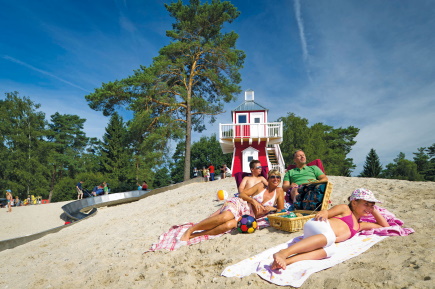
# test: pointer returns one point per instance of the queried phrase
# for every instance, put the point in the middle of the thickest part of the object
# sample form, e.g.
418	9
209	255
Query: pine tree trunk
188	137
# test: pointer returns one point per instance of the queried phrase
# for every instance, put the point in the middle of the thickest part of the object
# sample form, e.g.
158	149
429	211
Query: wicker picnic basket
296	224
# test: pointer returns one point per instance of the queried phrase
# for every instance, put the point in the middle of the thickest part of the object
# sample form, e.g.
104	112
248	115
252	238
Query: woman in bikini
256	201
335	225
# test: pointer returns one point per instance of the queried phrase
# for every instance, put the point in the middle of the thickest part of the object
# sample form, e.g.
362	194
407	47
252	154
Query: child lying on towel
335	225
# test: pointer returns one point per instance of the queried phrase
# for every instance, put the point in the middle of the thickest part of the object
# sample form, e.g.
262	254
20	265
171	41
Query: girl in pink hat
335	225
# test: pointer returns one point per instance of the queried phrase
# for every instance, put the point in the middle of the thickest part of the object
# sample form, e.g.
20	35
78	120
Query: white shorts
313	227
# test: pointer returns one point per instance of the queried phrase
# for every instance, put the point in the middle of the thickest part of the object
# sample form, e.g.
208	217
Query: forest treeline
420	168
48	157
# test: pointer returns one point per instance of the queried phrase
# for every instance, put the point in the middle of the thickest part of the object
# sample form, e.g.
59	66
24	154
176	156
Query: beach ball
247	224
222	195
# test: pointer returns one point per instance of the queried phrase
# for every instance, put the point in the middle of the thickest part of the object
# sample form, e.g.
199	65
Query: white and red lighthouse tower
251	136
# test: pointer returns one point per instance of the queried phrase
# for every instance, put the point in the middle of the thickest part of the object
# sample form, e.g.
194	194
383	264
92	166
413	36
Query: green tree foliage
402	169
65	187
150	149
425	161
177	164
208	150
205	151
191	78
430	172
320	141
372	166
162	178
69	143
23	149
91	159
40	158
116	156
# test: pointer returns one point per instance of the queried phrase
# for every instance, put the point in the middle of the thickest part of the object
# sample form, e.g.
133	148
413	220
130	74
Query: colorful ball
222	195
247	224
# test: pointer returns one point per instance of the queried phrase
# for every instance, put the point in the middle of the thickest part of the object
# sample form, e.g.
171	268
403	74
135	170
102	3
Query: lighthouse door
257	126
248	155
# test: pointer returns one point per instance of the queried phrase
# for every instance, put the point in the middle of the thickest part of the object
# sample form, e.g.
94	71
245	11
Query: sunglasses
275	177
258	167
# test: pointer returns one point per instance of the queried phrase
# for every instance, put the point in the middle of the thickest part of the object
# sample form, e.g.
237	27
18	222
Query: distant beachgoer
17	202
144	186
79	190
98	190
335	225
195	172
211	170
207	175
106	188
204	174
9	199
223	171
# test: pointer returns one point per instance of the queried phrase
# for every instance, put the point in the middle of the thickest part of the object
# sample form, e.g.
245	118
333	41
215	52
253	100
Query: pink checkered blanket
171	239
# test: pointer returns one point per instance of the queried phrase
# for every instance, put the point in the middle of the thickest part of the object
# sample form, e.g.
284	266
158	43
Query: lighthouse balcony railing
250	130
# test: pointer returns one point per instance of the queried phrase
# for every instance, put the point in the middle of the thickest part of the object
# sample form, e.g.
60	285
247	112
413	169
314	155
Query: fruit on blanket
222	195
247	224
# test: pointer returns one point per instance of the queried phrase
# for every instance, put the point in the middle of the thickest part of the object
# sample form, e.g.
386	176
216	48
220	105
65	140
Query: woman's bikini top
349	222
259	198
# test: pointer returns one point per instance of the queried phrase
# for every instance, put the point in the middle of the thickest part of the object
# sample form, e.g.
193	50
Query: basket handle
276	223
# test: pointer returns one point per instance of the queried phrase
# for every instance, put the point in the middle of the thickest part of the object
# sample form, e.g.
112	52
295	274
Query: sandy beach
106	250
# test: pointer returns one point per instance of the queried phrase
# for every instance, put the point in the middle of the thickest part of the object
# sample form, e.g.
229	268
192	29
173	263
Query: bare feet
186	235
279	261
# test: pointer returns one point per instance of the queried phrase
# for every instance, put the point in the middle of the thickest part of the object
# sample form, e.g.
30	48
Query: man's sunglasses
275	177
258	167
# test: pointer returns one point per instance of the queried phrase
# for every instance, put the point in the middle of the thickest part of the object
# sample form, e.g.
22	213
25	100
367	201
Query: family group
259	197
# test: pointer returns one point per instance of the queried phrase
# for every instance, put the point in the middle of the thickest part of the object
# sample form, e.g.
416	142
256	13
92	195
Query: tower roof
249	105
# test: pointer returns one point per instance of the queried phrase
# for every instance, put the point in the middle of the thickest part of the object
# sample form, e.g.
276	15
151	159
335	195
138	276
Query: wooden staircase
273	159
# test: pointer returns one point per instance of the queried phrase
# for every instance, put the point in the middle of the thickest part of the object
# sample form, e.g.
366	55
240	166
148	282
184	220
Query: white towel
296	274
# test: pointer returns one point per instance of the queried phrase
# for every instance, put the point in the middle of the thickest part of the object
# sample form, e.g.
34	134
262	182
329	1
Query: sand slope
106	250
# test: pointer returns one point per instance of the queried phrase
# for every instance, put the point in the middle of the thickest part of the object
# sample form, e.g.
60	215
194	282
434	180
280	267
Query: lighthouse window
242	119
257	120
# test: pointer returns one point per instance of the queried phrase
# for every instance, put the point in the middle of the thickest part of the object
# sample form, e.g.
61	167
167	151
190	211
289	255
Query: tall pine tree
372	166
116	155
190	79
24	150
69	142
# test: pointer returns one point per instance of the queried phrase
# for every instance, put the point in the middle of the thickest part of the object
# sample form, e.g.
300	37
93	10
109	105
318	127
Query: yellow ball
222	195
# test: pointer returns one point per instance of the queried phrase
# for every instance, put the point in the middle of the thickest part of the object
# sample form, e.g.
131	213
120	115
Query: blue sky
369	64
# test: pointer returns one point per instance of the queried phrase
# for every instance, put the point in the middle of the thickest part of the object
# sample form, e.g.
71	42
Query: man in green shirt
301	174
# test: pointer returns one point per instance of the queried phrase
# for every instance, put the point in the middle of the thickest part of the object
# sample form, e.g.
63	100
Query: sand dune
107	250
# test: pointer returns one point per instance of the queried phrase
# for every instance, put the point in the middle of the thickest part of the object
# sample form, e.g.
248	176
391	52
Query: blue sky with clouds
368	63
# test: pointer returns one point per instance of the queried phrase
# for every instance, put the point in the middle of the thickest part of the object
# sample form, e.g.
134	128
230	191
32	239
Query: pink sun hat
363	194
